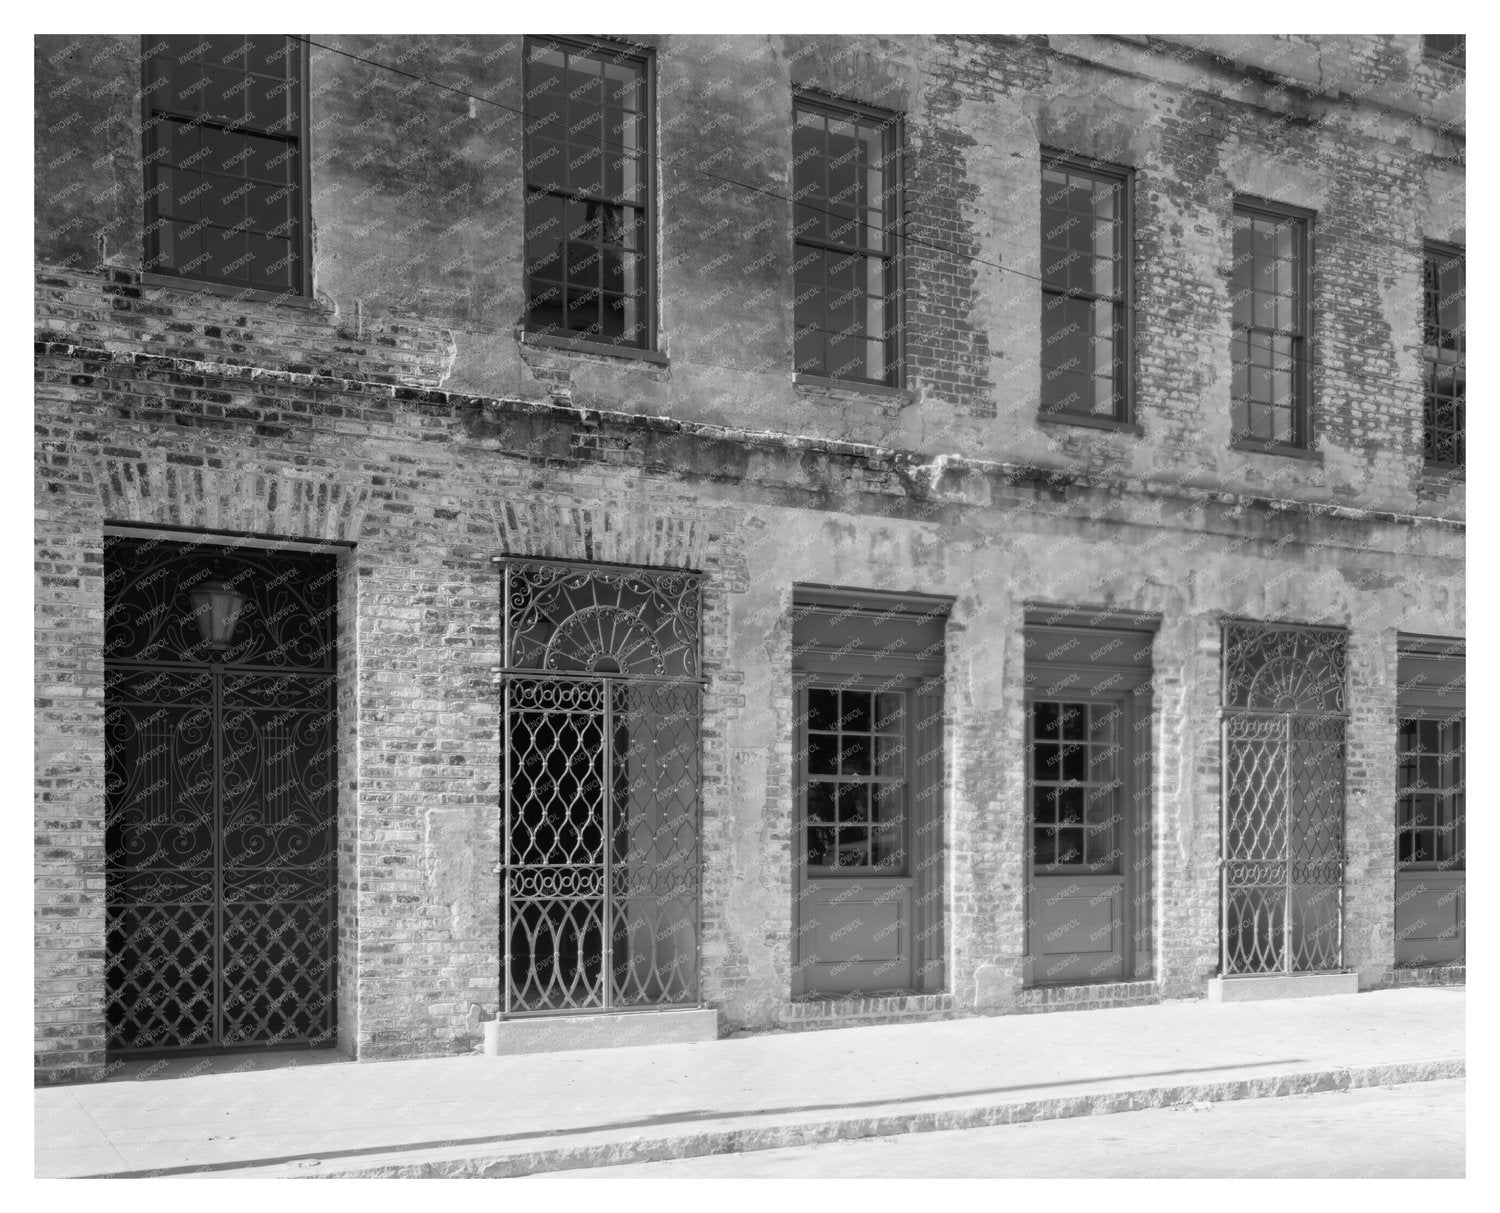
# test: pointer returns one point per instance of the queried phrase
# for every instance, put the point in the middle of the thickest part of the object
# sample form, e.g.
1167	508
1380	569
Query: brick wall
396	416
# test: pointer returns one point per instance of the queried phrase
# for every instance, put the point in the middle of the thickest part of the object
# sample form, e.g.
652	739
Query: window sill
578	345
198	286
1445	472
1089	421
1275	448
852	387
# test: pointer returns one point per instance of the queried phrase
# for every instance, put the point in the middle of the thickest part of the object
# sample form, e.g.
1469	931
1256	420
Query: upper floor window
1270	388
846	179
1443	355
1446	48
225	123
1085	291
588	193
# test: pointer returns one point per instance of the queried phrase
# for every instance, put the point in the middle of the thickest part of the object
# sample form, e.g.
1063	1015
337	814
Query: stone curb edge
492	1163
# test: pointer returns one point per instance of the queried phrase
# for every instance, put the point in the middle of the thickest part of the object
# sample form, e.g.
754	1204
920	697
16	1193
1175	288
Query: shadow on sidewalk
669	1118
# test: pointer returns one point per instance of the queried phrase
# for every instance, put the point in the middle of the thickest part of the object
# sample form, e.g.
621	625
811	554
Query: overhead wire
900	232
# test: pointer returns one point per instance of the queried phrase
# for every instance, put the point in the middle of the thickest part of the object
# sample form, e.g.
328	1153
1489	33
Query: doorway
220	748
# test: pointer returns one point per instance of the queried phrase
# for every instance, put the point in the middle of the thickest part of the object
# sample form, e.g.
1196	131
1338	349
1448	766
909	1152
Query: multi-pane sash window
847	184
588	193
1085	291
1430	794
1074	785
1270	386
1443	355
225	184
856	778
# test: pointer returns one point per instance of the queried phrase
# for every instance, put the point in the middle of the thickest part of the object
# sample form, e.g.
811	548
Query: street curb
604	1147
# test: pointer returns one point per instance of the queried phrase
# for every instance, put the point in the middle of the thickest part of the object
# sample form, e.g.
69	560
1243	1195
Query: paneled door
1088	760
868	794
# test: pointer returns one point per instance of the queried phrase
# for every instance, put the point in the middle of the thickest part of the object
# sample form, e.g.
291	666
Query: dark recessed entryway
220	758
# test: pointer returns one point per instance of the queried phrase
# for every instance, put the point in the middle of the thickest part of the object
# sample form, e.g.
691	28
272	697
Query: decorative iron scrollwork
602	709
1278	668
219	818
566	619
1283	798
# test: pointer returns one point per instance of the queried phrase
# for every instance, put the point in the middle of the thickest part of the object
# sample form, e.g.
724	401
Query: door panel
1429	918
1079	929
858	935
854	809
1081	839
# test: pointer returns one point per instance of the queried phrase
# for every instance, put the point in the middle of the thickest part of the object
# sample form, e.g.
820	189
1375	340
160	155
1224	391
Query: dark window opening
223	144
847	188
1443	356
588	198
1270	317
1085	291
1444	48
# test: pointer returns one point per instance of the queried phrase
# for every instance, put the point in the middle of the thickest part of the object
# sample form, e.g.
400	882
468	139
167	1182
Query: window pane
822	709
854	755
820	844
820	802
887	850
1044	718
853	802
1070	845
887	803
822	754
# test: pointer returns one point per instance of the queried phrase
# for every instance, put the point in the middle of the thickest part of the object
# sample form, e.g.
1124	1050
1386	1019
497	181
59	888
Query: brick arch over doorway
245	498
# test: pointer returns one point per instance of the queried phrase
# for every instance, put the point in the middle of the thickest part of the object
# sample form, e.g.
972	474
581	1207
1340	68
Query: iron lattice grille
600	881
1283	830
219	824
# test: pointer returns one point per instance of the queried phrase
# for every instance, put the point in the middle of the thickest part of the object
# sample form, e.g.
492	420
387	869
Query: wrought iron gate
1283	828
219	778
602	703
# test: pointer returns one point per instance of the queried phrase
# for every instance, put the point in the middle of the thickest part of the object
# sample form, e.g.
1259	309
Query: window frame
1124	417
570	339
1442	250
896	377
1449	799
154	271
859	684
1119	710
1434	54
1302	381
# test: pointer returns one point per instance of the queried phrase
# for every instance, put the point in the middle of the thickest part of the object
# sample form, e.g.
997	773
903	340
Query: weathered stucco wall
417	211
428	488
398	415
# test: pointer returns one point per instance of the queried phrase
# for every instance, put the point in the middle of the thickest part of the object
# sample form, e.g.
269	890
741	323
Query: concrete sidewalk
316	1115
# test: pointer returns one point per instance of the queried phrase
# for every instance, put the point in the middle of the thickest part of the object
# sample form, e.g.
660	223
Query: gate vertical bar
1287	958
1224	840
506	926
216	681
607	843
